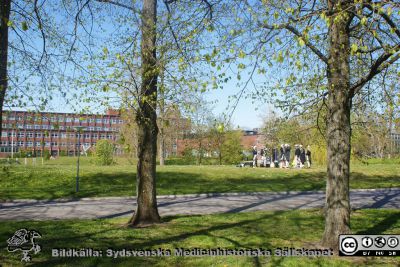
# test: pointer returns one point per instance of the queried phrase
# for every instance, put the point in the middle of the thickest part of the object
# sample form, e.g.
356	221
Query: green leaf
24	26
354	48
301	41
364	21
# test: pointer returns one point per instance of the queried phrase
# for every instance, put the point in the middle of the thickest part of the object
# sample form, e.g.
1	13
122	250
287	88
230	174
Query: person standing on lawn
254	156
282	156
308	156
302	156
287	155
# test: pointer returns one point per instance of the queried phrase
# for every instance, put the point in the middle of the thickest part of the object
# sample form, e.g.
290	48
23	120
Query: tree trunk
162	117
146	119
337	205
5	16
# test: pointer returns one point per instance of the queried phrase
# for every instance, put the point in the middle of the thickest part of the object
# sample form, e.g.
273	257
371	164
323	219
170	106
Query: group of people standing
281	158
302	157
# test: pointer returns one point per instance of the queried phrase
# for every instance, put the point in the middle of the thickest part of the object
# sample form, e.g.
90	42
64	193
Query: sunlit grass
56	179
267	230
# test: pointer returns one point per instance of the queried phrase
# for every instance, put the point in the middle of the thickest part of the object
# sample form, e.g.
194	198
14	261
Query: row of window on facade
395	136
57	135
63	119
54	127
40	144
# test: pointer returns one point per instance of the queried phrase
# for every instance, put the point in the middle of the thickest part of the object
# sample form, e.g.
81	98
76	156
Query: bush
104	152
46	155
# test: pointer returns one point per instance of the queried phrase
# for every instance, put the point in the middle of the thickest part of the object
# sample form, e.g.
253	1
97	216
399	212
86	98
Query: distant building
395	142
55	132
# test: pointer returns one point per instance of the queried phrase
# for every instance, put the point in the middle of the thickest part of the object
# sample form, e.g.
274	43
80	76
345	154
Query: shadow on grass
375	181
381	226
123	183
70	237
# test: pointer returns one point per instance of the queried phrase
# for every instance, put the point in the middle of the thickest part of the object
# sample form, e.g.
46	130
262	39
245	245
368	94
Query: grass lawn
266	230
56	179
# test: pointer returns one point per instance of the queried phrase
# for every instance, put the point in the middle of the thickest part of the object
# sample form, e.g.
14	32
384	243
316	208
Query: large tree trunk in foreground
5	16
146	118
337	205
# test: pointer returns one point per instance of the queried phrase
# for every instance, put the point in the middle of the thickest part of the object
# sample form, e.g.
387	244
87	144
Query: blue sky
248	114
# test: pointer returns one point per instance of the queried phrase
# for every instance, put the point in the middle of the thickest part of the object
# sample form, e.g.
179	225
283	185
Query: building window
4	143
4	134
68	119
61	118
12	118
29	126
63	135
95	136
37	144
20	126
29	144
21	134
13	134
86	136
38	134
20	118
53	119
103	136
45	127
106	121
61	128
37	127
98	120
76	120
109	136
29	134
20	143
120	121
54	144
54	135
47	144
98	128
114	121
91	128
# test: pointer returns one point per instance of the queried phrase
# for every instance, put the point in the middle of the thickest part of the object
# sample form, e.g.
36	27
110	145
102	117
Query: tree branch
379	65
293	30
386	18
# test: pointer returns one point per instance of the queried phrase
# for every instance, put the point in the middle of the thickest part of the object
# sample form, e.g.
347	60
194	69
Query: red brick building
55	132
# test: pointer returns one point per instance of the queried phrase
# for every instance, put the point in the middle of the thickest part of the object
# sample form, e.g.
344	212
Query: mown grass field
266	230
56	179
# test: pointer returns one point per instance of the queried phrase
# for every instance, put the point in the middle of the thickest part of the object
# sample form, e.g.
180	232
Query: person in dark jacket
282	158
308	156
275	157
296	161
302	156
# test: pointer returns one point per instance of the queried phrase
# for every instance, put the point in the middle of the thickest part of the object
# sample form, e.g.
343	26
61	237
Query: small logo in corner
348	245
24	240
